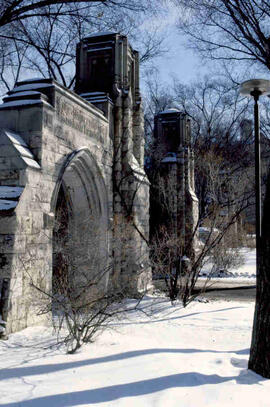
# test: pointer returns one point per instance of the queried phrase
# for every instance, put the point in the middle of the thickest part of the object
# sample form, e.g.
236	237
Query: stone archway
80	235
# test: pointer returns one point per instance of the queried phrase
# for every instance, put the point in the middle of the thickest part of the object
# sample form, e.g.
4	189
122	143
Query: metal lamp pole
256	88
258	191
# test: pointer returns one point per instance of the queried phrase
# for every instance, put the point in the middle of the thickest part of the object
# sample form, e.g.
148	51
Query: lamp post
256	88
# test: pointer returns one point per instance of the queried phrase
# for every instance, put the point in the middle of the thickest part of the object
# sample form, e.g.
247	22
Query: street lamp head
254	87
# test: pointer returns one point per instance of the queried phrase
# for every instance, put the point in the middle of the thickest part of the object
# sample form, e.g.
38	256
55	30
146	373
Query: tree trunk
259	360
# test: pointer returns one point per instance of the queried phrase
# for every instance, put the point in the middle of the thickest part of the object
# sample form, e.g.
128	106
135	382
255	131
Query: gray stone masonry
175	160
86	150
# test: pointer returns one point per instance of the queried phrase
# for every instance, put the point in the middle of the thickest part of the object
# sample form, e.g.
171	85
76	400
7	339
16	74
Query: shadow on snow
139	388
51	368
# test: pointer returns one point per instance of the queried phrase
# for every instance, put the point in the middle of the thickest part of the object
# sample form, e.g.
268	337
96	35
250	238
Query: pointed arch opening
80	234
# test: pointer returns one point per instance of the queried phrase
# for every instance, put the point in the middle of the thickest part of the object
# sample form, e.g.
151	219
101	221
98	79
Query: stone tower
108	76
175	200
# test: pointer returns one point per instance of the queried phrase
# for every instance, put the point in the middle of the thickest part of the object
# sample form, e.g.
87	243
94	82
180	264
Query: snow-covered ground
175	357
165	356
245	273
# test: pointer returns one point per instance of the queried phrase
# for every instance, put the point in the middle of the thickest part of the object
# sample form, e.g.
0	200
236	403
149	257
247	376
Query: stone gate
72	164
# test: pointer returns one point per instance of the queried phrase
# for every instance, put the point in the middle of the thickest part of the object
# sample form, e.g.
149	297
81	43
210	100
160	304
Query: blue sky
183	62
178	61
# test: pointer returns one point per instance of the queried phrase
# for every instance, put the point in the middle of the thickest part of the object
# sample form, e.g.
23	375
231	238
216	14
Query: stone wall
55	130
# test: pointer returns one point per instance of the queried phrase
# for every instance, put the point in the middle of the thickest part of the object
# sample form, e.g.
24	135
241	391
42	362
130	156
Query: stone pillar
117	204
130	185
191	202
173	139
138	135
181	191
127	132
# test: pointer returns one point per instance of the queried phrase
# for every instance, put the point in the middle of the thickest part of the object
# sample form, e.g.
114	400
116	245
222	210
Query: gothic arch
80	205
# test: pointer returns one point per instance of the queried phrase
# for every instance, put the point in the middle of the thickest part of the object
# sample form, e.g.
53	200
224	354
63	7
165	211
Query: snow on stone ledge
23	93
22	102
37	79
22	150
7	192
172	110
100	34
9	197
15	138
31	162
29	86
6	205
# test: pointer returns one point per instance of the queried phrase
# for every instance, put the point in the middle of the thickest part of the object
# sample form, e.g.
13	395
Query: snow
37	79
93	94
174	357
29	86
137	171
172	110
245	273
22	148
26	93
6	204
96	98
100	34
15	138
22	102
158	356
10	192
31	163
23	151
185	258
207	230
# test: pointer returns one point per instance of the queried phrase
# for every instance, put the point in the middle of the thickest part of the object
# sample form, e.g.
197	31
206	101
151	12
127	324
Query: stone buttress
120	86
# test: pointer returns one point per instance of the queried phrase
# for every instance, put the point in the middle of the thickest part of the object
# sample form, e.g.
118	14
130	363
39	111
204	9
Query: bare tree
220	124
216	108
157	98
13	11
86	292
44	43
232	30
82	298
228	30
173	258
222	143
